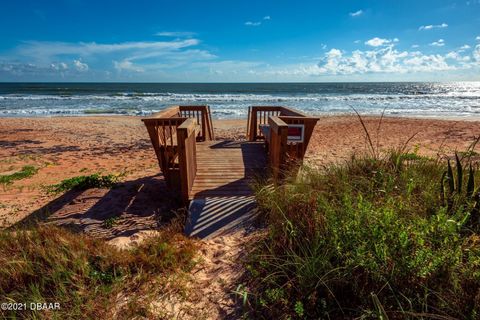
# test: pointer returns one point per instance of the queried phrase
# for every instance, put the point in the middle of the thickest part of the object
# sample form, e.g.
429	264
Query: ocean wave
234	105
170	97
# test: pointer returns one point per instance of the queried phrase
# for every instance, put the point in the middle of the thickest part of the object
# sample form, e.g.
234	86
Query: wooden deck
213	177
225	168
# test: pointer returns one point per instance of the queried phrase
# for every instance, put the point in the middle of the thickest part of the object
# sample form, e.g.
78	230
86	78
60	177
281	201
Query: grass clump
84	182
26	172
372	238
89	278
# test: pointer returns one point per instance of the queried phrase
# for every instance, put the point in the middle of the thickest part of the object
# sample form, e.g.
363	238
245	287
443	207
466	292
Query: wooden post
204	126
186	157
278	145
253	124
248	121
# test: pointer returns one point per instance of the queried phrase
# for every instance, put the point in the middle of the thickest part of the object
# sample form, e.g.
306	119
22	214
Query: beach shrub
460	188
84	182
87	277
370	238
26	172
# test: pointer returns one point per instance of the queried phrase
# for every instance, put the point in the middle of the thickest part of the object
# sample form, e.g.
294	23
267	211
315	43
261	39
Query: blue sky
238	41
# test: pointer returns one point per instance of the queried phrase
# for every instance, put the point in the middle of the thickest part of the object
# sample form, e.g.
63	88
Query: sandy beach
64	147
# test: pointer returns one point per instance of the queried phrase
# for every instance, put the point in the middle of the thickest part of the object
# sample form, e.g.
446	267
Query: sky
239	40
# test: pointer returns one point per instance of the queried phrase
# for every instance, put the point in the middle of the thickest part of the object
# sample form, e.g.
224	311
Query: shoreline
321	116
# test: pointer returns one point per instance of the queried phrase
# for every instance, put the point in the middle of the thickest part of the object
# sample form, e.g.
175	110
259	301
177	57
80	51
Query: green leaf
451	183
459	173
471	182
442	187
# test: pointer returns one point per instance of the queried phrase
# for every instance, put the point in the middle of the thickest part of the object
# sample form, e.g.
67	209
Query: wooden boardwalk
226	168
221	197
213	176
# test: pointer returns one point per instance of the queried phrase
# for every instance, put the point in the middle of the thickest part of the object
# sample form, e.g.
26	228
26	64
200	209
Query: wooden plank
227	169
204	194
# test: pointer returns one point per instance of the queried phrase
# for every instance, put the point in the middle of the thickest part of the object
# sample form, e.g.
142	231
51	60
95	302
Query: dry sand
71	146
64	147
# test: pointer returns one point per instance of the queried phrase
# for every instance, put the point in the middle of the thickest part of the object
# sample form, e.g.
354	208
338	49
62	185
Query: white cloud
477	38
126	65
439	43
356	41
433	26
257	23
175	34
356	13
464	47
377	42
179	59
80	66
46	52
415	46
59	66
381	60
455	55
476	53
50	59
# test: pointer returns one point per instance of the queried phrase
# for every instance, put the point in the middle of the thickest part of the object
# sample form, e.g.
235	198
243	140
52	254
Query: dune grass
375	237
84	182
89	278
26	172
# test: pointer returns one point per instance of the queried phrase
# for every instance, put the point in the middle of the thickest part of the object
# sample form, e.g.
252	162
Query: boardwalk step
215	216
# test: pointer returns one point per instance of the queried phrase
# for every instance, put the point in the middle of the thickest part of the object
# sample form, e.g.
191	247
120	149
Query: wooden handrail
210	124
187	158
188	124
259	115
174	132
281	152
170	112
277	145
203	117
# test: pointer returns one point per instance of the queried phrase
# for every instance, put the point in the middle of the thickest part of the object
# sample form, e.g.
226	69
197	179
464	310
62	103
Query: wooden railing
277	146
173	133
281	151
187	156
258	115
201	114
164	138
203	118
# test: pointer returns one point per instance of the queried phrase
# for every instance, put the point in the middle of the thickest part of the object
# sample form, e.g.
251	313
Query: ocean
230	100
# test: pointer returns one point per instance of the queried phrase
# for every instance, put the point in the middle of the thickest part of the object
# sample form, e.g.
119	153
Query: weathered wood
277	145
281	152
162	132
187	156
203	119
223	168
227	168
170	112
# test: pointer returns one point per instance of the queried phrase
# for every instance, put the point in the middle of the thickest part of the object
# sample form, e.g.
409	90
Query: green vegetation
110	222
26	172
392	236
89	278
84	182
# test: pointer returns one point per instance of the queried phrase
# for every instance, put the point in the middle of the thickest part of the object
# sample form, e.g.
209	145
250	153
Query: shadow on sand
122	211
